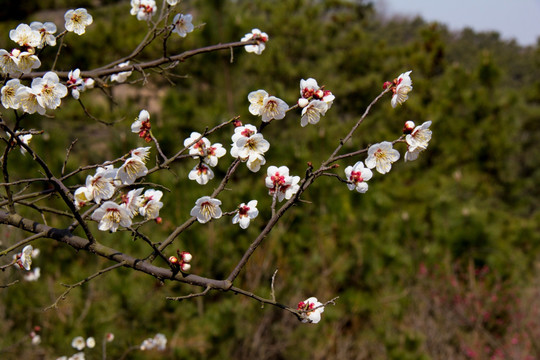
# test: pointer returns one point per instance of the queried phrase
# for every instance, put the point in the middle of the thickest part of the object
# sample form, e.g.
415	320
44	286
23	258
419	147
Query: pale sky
518	19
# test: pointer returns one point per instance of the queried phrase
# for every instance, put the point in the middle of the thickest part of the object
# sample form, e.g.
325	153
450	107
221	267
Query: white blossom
403	85
132	169
357	175
256	34
256	100
49	90
122	76
311	310
273	108
78	343
46	31
206	208
245	213
77	20
150	205
381	156
25	36
201	173
311	114
110	216
182	24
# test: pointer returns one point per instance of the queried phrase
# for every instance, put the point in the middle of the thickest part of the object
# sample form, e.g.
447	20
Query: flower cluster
261	38
280	184
143	9
249	146
158	342
142	126
182	261
104	184
208	155
77	84
311	310
314	101
79	343
268	107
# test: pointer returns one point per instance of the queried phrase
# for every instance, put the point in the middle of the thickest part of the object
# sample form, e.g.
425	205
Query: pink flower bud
185	267
386	85
109	337
409	127
319	94
173	260
158	220
302	102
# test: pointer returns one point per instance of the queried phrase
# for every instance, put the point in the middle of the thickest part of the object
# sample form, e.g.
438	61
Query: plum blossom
25	36
110	216
310	90
158	342
172	2
27	99
81	196
311	114
273	108
46	31
9	62
357	176
101	185
256	34
77	20
150	205
122	76
197	145
251	149
33	275
77	84
182	24
381	156
78	343
280	184
213	153
142	126
206	208
49	90
402	86
201	173
256	100
142	153
90	342
132	169
132	200
24	258
311	310
28	61
25	139
144	9
417	141
245	213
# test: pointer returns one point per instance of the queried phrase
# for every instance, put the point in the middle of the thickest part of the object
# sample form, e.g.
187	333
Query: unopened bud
319	94
158	220
185	267
409	127
37	328
186	256
173	260
237	123
302	102
386	85
109	337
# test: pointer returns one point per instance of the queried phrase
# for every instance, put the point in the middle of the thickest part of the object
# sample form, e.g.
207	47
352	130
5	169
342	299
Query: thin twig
190	296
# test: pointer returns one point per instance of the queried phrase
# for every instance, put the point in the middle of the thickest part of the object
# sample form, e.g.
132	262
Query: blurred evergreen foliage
471	198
